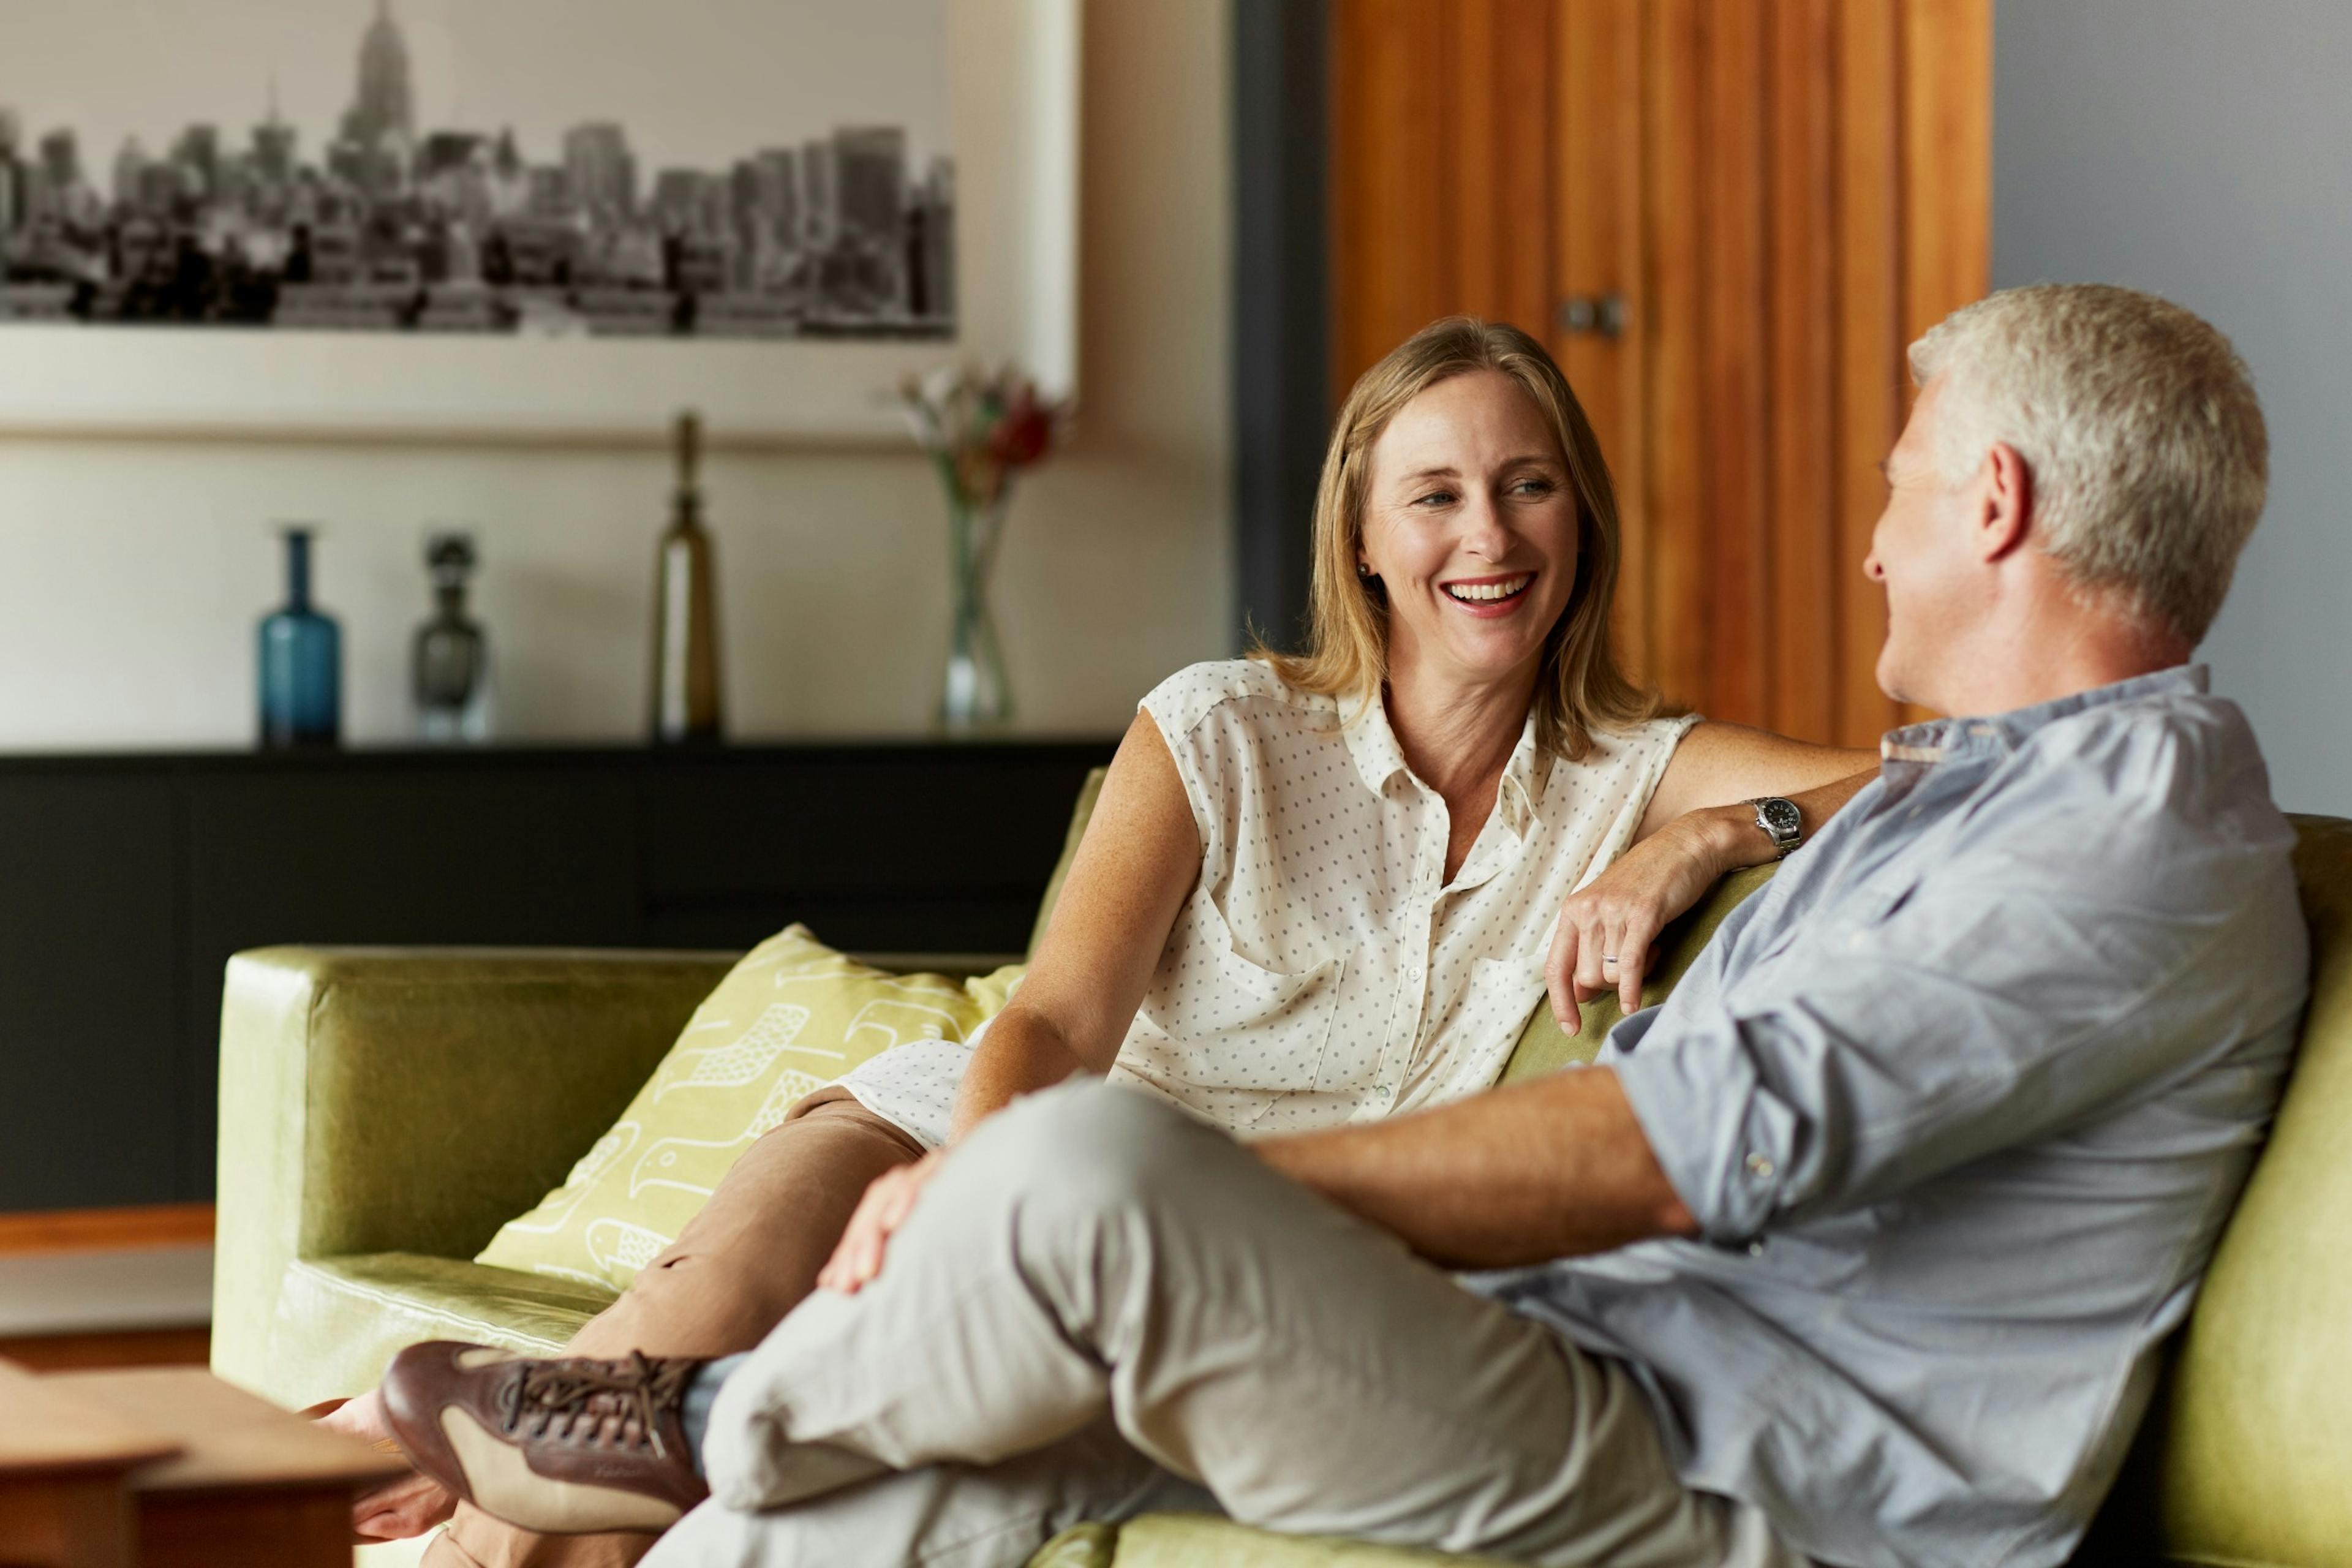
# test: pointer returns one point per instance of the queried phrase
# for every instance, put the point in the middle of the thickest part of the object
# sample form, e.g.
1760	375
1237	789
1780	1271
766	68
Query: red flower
1025	431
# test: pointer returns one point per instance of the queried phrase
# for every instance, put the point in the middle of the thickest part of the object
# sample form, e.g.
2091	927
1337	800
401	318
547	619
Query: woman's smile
1490	598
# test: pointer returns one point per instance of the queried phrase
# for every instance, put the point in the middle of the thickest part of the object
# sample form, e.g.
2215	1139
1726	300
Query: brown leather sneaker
562	1447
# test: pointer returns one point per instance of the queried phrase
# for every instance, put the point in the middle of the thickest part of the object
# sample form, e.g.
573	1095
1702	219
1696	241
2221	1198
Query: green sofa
383	1110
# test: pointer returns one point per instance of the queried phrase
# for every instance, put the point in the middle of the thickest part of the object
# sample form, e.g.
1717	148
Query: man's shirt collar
1950	740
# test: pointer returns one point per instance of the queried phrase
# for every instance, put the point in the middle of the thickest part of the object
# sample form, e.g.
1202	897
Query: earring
1363	569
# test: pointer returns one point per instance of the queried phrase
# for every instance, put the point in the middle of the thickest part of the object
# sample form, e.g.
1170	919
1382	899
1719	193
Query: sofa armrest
413	1099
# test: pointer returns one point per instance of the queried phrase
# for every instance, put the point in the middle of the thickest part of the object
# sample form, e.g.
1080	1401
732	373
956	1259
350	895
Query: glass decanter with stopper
449	663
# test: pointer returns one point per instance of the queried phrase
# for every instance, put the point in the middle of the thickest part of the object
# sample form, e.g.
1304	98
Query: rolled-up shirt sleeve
1900	1035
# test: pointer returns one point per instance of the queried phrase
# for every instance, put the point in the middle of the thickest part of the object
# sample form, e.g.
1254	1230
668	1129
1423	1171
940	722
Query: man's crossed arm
1523	1174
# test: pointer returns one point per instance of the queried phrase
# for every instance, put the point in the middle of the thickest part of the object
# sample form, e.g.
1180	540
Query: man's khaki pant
1102	1305
745	1260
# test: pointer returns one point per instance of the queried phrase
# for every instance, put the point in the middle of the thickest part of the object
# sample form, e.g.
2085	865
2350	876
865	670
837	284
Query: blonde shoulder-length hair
1580	687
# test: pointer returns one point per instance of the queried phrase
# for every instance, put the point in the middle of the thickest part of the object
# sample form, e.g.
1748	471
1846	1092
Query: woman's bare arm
1719	765
1136	864
1697	828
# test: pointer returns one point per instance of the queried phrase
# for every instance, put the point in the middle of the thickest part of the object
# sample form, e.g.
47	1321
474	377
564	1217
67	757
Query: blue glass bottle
301	661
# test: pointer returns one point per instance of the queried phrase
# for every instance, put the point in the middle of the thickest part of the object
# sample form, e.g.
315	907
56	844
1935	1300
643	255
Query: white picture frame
1014	82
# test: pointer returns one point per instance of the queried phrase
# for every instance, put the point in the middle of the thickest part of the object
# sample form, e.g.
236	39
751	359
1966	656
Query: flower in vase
980	429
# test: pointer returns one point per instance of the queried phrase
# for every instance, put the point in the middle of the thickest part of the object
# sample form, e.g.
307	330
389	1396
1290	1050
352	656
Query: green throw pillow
789	1019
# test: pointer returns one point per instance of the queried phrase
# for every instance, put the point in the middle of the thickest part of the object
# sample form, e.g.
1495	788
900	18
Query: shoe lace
642	1385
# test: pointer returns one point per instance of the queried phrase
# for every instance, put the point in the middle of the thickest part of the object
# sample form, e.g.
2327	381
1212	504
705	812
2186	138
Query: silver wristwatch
1783	823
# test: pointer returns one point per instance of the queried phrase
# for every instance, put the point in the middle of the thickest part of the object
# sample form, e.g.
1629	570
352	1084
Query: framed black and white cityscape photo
558	218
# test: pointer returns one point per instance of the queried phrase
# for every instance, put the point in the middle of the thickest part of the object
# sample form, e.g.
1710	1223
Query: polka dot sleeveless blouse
1324	970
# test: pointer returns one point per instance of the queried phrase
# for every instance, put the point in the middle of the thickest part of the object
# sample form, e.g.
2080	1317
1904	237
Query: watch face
1782	817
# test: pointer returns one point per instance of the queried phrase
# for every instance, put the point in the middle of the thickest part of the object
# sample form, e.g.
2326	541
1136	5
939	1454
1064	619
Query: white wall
132	574
2204	151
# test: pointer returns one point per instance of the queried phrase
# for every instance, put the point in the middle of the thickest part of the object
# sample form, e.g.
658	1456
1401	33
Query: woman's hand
1607	927
884	1208
396	1510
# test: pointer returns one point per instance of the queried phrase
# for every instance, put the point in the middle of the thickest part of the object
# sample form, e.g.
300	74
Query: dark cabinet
126	883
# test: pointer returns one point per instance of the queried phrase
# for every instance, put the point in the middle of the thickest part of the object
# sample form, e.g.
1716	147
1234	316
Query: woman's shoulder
1234	688
1631	744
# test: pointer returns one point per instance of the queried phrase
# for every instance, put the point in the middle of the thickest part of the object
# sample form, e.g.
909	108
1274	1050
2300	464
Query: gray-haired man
1857	1250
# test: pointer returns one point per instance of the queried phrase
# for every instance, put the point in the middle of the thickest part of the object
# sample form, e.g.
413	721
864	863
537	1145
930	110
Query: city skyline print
600	168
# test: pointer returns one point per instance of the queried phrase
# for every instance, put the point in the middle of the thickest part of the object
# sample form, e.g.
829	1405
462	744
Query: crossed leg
1101	1305
744	1262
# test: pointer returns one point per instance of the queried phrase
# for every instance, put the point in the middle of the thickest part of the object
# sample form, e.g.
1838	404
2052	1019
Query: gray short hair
2137	422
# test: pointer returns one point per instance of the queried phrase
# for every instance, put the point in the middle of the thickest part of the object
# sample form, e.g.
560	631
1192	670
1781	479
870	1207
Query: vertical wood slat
1866	49
1735	356
1676	238
1390	251
1597	224
1946	88
1470	134
1805	572
1523	94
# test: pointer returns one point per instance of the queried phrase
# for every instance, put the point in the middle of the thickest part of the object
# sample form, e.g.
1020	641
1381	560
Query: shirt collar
1946	740
1364	723
1372	746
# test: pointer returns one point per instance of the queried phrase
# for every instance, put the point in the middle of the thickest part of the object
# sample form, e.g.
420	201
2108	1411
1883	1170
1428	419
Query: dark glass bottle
301	661
450	662
686	707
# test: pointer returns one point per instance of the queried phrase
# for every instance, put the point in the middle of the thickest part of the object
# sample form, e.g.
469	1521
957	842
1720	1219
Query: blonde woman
1316	889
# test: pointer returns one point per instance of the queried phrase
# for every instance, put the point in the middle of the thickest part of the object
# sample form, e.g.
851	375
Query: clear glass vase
975	695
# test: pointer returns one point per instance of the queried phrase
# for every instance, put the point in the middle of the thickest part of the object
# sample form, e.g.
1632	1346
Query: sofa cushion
1194	1541
1544	1047
790	1018
353	1313
2246	1455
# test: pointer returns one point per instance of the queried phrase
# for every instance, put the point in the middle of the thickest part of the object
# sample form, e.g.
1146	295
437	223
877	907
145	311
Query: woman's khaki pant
744	1262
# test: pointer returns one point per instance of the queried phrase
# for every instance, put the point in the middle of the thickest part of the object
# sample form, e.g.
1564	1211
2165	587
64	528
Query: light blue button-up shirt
1960	1102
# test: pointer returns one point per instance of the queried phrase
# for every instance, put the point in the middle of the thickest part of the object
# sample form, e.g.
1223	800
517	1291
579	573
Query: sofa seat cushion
1196	1541
355	1313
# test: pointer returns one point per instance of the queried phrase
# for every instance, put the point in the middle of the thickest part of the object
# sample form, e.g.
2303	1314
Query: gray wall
2202	151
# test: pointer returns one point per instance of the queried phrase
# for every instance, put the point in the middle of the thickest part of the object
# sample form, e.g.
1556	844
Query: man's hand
1607	929
884	1208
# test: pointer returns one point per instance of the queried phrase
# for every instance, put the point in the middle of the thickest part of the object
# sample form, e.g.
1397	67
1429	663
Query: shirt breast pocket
1225	1021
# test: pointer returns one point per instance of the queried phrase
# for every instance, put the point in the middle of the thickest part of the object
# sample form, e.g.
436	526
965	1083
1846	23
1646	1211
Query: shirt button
1754	1249
1758	1165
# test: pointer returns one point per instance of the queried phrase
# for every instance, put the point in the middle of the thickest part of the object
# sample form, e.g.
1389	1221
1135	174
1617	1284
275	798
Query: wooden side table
65	1466
170	1467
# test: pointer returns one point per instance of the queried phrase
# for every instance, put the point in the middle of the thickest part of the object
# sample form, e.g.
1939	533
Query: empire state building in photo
385	106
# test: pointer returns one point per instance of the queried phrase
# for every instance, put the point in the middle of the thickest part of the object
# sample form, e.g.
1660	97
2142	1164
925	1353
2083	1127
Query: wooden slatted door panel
1783	193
